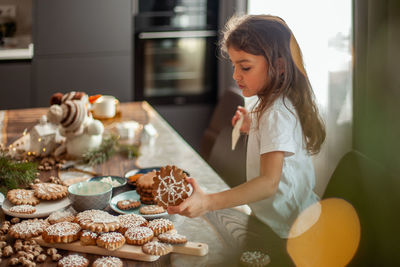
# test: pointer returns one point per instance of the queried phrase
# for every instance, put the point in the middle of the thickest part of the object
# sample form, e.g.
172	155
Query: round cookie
28	228
146	180
172	238
138	235
50	191
61	216
107	262
128	204
88	238
160	226
62	232
151	209
254	259
73	260
111	240
127	221
23	209
97	221
156	248
22	197
170	187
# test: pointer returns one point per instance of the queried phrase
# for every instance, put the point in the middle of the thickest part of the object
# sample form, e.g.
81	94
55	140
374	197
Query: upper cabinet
74	26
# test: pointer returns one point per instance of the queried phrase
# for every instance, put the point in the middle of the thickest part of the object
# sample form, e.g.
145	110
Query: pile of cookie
165	187
17	245
99	228
91	228
158	189
25	200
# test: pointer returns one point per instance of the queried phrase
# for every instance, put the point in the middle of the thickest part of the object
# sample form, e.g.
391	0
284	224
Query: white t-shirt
280	130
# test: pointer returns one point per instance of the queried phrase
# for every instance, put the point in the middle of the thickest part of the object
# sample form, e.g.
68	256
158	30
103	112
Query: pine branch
14	174
108	148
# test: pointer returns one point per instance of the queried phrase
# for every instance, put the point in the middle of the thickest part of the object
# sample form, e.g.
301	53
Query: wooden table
227	232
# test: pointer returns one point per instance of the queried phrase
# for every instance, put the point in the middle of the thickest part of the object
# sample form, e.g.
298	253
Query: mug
105	107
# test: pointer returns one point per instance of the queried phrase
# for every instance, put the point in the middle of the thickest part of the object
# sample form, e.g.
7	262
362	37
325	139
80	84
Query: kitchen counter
16	53
227	232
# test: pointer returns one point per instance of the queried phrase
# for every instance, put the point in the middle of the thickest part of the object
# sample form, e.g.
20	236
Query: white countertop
17	53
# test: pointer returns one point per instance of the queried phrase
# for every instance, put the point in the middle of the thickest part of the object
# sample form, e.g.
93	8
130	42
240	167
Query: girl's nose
236	76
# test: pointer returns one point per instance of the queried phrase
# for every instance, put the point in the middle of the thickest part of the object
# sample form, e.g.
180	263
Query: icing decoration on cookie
107	262
24	209
73	261
254	258
170	186
138	235
157	248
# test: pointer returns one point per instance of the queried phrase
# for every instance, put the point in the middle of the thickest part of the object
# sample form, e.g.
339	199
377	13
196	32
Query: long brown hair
270	37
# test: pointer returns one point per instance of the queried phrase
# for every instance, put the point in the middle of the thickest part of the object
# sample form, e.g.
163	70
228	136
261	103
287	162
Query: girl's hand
241	111
195	205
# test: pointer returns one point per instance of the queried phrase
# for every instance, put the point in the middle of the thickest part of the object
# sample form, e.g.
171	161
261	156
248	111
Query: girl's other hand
194	206
241	111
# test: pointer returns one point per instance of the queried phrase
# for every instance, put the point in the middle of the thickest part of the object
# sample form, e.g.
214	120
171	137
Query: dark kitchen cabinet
15	84
82	46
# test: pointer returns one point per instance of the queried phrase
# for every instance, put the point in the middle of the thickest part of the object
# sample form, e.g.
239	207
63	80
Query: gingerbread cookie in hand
170	187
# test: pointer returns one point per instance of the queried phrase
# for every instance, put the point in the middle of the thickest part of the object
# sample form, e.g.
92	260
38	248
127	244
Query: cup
105	107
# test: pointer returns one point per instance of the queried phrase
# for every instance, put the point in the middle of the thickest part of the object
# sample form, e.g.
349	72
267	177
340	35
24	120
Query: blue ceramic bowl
90	195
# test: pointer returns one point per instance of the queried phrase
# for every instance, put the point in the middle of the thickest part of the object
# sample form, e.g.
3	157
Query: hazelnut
3	244
56	257
51	251
15	220
7	251
21	253
41	258
13	261
29	256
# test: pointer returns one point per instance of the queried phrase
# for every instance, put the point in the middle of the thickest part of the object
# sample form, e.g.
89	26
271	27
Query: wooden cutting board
128	251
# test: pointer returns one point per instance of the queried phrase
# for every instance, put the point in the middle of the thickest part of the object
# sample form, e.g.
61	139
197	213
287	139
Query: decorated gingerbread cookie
108	261
170	187
50	191
22	197
156	248
151	209
254	259
23	209
128	204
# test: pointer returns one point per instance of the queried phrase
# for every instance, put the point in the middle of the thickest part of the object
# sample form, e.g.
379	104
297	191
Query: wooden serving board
127	251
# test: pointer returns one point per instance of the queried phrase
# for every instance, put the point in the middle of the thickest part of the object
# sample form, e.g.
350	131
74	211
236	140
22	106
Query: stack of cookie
25	200
144	187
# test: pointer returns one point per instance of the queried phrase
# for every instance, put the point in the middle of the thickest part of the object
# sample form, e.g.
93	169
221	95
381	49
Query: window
323	30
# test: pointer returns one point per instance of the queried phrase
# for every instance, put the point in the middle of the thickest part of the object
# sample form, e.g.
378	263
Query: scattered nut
21	253
29	256
13	261
35	253
51	251
56	257
3	244
41	258
8	251
15	220
38	248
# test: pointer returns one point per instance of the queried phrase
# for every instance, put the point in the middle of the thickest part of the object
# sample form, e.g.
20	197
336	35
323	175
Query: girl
284	127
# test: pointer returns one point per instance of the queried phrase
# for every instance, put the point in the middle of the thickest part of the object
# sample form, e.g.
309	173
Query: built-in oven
175	59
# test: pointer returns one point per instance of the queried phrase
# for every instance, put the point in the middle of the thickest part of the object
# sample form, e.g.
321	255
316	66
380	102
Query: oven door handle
177	34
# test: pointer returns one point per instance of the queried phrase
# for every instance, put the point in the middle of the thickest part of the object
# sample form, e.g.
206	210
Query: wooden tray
128	251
